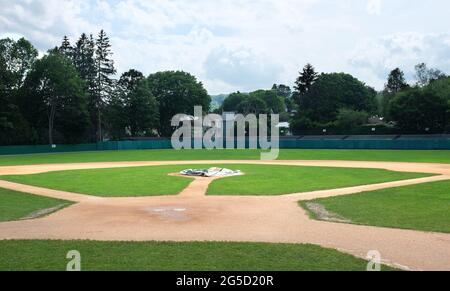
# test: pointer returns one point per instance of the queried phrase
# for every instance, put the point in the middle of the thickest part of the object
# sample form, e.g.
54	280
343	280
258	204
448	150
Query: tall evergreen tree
91	78
84	60
396	81
66	48
84	57
304	82
103	83
306	79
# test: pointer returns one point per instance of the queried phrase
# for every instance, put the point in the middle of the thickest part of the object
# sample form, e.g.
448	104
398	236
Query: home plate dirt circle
193	216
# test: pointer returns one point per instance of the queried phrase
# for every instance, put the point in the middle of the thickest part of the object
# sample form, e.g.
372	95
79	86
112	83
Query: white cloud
377	57
252	43
374	7
43	22
244	68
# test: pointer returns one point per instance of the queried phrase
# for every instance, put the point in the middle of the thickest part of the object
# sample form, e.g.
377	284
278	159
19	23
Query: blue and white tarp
212	172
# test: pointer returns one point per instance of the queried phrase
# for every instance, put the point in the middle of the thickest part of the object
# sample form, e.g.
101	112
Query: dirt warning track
193	216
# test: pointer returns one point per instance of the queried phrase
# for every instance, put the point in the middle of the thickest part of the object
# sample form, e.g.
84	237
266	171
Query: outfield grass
259	180
164	256
172	155
17	205
423	207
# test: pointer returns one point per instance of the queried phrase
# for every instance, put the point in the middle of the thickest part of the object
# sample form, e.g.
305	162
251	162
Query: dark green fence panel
108	146
288	144
135	145
406	144
424	144
43	149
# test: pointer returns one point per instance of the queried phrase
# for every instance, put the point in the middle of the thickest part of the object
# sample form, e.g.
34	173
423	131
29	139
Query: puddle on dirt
171	213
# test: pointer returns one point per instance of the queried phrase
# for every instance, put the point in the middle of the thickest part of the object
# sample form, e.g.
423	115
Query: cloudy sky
247	44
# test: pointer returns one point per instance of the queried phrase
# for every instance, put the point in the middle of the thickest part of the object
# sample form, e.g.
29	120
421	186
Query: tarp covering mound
212	172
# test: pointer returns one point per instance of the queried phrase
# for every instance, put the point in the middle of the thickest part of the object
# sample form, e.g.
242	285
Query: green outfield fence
305	142
101	146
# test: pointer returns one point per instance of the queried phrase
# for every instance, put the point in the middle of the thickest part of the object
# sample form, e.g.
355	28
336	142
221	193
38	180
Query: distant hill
217	100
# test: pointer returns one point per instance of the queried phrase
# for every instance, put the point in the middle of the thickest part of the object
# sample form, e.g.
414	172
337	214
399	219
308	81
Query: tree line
423	107
71	95
341	104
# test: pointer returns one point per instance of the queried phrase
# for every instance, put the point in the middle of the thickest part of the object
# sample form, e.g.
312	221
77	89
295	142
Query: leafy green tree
122	118
425	76
332	92
133	110
16	59
177	93
131	79
54	89
142	110
286	93
420	110
349	118
252	104
301	123
282	90
274	103
260	102
116	114
441	87
231	103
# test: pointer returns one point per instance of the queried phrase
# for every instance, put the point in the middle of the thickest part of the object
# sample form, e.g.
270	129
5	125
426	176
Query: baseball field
308	210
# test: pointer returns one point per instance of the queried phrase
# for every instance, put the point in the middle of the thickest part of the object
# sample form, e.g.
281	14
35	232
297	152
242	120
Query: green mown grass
276	180
259	180
424	207
165	256
17	205
172	155
119	182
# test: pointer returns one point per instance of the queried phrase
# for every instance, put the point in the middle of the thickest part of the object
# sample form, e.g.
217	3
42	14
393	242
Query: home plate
173	213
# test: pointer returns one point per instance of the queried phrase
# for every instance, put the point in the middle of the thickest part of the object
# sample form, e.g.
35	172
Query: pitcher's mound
211	172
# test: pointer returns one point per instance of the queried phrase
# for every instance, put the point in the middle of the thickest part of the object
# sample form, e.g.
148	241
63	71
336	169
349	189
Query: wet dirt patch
321	213
44	212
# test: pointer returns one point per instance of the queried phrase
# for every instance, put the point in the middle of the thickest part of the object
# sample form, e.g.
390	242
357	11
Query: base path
193	216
